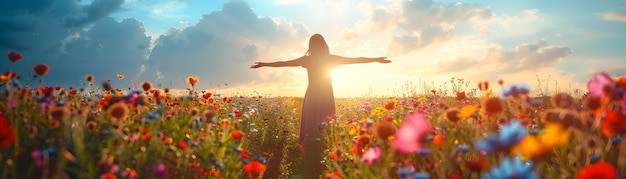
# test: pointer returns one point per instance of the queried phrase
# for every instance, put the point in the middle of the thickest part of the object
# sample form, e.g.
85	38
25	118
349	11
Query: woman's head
317	46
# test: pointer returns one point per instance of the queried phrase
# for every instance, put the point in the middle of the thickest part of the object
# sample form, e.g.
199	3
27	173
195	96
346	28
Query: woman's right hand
257	65
383	60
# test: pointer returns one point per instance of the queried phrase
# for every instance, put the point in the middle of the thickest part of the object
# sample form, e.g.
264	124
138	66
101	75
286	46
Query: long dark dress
318	104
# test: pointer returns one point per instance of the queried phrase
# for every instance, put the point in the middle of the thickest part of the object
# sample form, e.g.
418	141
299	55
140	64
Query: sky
550	45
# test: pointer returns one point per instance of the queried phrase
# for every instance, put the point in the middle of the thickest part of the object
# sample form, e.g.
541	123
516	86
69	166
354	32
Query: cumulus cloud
222	46
95	11
92	43
496	60
420	23
76	40
615	16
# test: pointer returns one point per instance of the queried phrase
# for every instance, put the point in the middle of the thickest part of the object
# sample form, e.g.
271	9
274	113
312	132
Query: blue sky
559	43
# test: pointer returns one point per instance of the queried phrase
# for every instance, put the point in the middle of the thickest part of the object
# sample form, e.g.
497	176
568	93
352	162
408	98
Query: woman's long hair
318	49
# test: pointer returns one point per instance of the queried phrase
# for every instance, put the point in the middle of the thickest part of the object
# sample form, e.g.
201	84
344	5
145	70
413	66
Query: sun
335	74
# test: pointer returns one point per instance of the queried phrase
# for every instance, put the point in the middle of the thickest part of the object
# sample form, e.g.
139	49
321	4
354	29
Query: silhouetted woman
319	101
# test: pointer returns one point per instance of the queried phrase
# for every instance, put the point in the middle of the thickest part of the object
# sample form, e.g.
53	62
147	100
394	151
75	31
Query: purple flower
160	171
600	84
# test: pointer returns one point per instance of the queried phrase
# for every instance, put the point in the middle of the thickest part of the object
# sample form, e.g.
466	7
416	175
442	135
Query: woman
319	101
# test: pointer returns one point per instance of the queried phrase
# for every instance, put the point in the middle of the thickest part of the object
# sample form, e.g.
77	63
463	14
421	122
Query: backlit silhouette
319	101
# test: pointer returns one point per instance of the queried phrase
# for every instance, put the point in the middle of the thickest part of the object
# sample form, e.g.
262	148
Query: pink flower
371	155
407	139
600	85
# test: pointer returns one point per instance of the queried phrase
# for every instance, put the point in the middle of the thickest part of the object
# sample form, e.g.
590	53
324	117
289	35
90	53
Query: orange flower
384	130
493	105
237	134
333	175
146	85
192	80
118	111
254	169
7	76
599	170
438	140
452	114
41	69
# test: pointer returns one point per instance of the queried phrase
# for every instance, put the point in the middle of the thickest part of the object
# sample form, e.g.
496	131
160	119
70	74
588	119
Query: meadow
493	130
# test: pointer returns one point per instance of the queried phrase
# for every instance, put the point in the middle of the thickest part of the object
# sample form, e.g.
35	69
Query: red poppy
390	105
455	176
7	133
195	164
146	137
108	176
599	170
237	134
460	96
14	57
244	155
614	123
182	144
254	169
476	165
483	86
41	69
206	95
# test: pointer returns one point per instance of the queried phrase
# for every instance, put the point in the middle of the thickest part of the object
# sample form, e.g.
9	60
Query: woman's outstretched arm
348	60
290	63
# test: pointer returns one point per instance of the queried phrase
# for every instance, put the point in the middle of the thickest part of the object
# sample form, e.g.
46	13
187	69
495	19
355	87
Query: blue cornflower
509	135
616	140
515	90
463	148
423	151
152	115
513	168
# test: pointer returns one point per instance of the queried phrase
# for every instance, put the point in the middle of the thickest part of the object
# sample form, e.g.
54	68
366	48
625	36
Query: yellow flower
421	99
355	130
380	111
536	146
467	111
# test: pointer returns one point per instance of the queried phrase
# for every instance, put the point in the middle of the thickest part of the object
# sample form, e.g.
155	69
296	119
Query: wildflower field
493	130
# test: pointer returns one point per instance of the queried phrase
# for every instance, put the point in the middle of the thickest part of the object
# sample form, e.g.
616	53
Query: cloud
93	44
222	46
496	60
95	11
615	16
420	23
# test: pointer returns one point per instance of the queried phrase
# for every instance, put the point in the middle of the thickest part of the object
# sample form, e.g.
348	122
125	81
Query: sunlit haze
552	45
